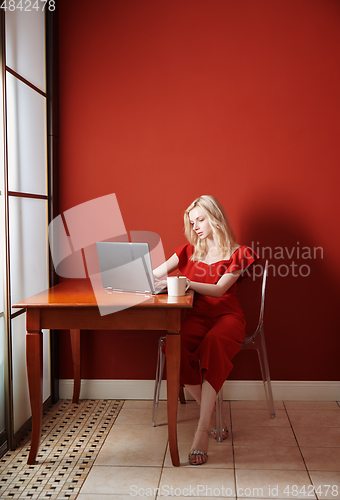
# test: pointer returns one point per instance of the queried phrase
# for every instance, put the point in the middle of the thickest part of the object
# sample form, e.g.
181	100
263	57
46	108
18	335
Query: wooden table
73	305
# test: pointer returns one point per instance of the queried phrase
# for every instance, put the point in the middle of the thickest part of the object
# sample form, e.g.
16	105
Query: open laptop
126	267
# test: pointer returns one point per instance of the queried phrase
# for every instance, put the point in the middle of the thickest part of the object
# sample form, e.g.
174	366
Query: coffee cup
177	286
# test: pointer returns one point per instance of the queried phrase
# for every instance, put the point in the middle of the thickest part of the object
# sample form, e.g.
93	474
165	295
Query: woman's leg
193	330
201	439
195	391
219	346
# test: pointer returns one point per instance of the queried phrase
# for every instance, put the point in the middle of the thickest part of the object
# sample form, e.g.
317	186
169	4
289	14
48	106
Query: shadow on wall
301	319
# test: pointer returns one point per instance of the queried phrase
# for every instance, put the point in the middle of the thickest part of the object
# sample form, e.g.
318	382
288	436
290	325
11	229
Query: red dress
214	329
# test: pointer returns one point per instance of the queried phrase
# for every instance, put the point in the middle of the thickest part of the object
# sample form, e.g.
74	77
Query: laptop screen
125	266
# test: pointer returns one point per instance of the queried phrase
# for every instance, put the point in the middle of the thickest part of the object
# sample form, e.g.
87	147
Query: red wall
161	101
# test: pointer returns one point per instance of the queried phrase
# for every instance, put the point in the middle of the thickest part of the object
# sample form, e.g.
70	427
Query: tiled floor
72	435
297	455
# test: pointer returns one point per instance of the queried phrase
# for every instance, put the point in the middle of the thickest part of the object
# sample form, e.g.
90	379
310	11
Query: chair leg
219	416
158	381
262	353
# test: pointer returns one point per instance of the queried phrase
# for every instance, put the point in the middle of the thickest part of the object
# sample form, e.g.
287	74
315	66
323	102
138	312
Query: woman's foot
214	429
198	454
224	433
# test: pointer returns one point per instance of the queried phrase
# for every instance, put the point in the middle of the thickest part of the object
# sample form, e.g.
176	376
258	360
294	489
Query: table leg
34	357
76	358
173	346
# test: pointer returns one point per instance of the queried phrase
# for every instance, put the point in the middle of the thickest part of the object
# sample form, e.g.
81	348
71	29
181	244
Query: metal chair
253	341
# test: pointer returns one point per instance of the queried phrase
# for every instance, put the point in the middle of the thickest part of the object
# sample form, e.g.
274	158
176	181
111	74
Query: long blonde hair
222	231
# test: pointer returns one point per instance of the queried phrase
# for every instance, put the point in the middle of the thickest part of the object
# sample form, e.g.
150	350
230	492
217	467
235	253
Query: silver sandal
194	453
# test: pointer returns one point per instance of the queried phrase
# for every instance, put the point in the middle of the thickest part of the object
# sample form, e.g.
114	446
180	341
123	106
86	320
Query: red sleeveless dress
214	329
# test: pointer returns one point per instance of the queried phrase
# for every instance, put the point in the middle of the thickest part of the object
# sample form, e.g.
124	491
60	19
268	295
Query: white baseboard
242	390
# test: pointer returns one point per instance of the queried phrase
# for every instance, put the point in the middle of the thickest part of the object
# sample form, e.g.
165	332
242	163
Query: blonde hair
222	231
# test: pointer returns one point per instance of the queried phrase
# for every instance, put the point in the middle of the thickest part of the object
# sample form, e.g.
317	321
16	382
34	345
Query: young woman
213	331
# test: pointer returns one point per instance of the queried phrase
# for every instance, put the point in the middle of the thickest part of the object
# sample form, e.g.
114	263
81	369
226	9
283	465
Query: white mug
177	286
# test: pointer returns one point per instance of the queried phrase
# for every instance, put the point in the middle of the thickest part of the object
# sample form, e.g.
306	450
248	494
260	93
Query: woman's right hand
167	267
160	282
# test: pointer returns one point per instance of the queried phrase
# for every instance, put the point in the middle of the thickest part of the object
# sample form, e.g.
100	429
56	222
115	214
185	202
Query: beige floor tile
133	404
185	413
192	416
318	437
268	457
121	480
188	416
322	458
226	419
272	484
255	405
203	482
190	413
311	405
315	418
131	445
261	447
141	416
327	484
219	456
133	455
263	436
186	432
259	418
142	434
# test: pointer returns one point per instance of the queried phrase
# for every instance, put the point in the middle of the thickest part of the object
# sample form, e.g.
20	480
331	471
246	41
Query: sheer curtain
24	204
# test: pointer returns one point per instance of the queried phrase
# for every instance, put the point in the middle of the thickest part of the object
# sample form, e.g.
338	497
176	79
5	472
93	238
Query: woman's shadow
301	307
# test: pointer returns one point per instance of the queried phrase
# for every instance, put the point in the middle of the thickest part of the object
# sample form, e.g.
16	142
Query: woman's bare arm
218	289
167	267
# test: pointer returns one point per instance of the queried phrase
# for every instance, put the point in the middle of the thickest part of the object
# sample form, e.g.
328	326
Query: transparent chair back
251	294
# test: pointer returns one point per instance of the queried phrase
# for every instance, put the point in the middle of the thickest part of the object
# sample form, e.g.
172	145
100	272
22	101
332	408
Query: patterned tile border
72	435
